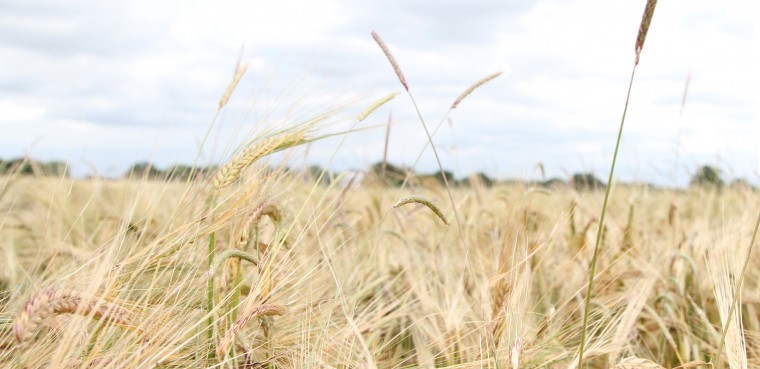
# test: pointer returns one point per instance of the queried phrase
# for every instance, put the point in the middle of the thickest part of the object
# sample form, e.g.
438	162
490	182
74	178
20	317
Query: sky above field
105	84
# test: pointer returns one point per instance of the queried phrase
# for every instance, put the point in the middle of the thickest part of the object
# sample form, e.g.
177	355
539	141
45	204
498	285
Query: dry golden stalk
423	201
230	172
233	84
646	20
258	311
637	363
473	87
724	289
364	114
514	354
391	59
65	301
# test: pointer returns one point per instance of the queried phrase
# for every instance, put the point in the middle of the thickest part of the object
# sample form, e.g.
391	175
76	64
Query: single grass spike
474	86
375	105
56	301
391	59
646	20
423	201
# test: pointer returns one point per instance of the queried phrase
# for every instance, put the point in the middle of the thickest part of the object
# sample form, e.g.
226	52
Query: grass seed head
474	86
646	20
391	59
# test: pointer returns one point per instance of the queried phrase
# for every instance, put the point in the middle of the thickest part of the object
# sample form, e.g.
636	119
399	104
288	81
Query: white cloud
109	82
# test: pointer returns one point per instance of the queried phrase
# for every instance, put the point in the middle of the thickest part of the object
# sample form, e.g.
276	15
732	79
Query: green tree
707	176
586	181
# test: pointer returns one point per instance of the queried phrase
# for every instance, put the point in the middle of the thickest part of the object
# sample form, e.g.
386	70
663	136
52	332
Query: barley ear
258	311
226	254
231	171
646	20
423	201
375	105
391	59
57	301
239	72
474	86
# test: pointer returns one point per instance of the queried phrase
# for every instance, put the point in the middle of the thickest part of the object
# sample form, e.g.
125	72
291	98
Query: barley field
251	264
115	274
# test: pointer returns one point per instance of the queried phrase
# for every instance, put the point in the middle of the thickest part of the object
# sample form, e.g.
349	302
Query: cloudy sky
105	84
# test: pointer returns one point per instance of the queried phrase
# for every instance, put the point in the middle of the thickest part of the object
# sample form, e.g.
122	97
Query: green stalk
592	268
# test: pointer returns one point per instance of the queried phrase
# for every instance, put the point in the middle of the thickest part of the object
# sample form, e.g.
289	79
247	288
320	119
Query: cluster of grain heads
422	201
245	317
231	171
57	301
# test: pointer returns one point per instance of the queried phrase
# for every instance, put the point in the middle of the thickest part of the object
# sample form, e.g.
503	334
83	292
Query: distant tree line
387	174
26	166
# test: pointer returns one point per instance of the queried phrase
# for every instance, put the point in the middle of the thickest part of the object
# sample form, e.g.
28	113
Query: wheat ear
230	172
65	301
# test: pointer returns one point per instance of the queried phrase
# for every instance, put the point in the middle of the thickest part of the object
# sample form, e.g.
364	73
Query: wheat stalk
258	311
423	201
391	59
474	86
230	172
65	301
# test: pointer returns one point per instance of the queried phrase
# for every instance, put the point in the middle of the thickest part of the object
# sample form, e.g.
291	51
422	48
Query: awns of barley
391	59
636	363
233	84
646	20
230	172
473	87
258	311
65	301
375	105
423	201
